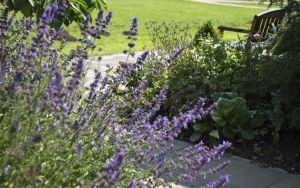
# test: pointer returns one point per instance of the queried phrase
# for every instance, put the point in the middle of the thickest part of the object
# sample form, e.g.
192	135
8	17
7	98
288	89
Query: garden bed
285	155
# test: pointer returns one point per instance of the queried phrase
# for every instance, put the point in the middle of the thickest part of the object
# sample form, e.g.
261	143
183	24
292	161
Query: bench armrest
224	28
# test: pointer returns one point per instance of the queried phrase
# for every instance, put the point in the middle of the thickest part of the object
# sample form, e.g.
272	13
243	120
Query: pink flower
252	43
256	36
16	182
29	171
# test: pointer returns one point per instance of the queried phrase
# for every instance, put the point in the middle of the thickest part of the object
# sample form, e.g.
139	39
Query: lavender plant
57	132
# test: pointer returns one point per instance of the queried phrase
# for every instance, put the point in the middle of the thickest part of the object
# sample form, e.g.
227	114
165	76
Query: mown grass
186	12
246	3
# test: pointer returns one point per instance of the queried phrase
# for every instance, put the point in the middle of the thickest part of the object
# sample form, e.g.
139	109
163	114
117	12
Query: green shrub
261	74
231	120
206	30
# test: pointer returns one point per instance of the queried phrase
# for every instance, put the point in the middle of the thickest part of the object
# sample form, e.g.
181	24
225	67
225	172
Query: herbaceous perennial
57	132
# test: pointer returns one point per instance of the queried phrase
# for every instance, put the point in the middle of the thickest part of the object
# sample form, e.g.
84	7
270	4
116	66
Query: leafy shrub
57	131
69	10
287	38
205	31
262	78
168	37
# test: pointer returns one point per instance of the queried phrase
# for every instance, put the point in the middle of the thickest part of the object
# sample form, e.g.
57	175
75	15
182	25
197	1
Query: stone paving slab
289	182
111	60
245	174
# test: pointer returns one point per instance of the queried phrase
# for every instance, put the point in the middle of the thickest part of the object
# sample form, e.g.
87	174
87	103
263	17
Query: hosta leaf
202	126
228	132
248	134
195	136
228	95
217	117
215	134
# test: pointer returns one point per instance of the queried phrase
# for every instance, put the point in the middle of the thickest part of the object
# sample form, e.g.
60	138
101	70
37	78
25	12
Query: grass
187	12
262	5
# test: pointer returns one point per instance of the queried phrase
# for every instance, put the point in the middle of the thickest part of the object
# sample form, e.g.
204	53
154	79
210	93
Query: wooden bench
263	23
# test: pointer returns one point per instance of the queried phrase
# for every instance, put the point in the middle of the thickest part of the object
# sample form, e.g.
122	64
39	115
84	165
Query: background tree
68	10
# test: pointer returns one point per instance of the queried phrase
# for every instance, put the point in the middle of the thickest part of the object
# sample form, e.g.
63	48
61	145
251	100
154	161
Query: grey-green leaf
215	134
195	136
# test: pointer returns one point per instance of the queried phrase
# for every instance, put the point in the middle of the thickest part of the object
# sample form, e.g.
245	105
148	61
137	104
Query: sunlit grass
187	12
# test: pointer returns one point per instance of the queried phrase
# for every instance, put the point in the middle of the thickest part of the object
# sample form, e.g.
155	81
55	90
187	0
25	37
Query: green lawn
246	3
184	11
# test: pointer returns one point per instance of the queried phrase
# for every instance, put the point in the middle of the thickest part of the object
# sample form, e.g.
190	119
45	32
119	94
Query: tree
68	10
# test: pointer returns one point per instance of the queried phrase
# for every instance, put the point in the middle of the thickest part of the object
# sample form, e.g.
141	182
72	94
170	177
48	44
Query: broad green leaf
228	95
222	103
26	10
217	117
202	126
248	134
46	3
228	132
83	4
32	3
10	4
257	121
215	134
263	131
101	4
240	117
77	9
195	136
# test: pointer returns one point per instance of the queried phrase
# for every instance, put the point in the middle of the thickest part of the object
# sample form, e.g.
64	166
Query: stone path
110	60
253	4
243	173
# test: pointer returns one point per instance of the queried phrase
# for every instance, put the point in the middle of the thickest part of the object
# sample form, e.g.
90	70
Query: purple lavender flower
219	183
78	70
108	18
79	149
99	18
48	15
85	25
113	168
177	54
133	184
37	129
62	6
143	57
134	26
131	45
138	90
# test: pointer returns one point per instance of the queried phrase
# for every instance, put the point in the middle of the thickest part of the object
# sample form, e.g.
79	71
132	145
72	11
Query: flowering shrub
57	132
252	81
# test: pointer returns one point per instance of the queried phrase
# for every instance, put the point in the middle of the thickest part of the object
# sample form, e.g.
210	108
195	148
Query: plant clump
58	131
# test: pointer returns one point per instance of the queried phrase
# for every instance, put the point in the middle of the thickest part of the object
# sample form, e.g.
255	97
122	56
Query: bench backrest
263	22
